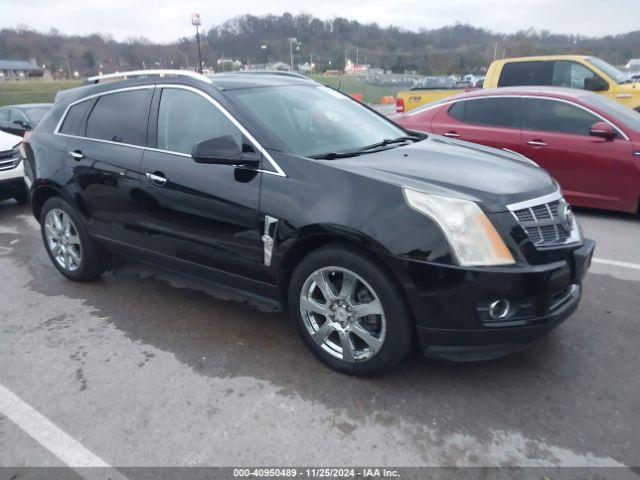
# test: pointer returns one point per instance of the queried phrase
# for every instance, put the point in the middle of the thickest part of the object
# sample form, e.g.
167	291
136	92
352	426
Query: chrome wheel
343	314
63	240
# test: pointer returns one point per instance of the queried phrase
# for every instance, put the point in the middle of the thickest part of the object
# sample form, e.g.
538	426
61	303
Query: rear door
590	170
203	215
492	121
105	154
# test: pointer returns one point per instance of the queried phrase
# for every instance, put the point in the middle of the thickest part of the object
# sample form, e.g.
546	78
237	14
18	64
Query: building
19	70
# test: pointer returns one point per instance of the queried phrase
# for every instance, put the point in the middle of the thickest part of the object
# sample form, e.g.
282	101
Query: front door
200	215
592	172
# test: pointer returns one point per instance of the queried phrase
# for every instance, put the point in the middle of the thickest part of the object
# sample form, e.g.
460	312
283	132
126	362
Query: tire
375	342
85	259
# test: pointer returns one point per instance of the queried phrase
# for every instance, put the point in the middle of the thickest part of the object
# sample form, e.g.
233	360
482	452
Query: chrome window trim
539	97
278	171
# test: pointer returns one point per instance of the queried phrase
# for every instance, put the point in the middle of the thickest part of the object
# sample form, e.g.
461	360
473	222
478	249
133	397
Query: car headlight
471	235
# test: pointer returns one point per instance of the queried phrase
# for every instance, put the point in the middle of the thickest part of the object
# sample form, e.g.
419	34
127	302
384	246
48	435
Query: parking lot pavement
143	368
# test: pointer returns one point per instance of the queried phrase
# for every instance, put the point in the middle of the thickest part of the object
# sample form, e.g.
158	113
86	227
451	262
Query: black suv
274	185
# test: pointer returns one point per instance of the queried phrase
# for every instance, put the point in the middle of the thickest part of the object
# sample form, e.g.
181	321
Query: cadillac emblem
566	216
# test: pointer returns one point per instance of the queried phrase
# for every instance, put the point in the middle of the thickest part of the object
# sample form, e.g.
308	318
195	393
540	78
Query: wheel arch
40	195
317	237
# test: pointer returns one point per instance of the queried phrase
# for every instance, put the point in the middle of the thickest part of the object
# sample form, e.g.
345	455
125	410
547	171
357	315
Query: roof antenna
339	84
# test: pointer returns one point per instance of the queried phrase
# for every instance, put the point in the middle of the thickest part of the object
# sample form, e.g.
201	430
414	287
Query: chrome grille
9	159
541	220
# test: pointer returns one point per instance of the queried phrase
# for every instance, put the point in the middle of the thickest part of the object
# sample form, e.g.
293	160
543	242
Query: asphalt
142	368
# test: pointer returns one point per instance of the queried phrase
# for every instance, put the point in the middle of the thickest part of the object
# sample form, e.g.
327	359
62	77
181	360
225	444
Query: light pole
195	21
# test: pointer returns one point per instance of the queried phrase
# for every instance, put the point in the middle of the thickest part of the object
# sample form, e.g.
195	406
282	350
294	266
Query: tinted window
71	124
498	112
185	118
457	111
554	116
570	74
121	117
4	114
526	73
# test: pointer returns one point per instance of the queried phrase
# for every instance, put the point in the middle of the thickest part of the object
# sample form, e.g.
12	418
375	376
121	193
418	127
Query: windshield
35	114
608	69
629	118
315	120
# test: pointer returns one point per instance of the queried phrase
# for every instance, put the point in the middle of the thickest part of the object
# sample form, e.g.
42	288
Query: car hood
8	141
492	178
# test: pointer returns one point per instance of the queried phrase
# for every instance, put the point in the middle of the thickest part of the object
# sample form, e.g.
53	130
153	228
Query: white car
11	169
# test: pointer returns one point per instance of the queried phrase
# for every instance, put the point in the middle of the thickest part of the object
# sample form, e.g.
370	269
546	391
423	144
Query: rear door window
495	112
4	114
121	117
526	73
557	117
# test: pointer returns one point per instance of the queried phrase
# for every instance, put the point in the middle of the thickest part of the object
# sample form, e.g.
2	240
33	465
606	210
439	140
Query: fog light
499	309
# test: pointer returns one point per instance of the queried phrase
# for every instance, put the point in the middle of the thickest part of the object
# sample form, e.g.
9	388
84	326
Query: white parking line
59	443
616	263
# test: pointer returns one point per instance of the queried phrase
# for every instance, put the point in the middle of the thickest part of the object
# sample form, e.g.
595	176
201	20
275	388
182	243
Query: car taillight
400	105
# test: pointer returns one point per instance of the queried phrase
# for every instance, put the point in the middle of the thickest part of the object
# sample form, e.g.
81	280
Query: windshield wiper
332	155
364	150
388	141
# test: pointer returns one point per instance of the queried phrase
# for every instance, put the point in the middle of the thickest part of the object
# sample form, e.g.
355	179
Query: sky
168	20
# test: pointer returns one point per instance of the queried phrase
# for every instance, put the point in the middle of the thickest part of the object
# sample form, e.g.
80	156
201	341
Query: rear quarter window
73	120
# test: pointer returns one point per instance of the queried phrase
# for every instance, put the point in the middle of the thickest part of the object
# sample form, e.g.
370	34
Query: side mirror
595	84
222	150
602	130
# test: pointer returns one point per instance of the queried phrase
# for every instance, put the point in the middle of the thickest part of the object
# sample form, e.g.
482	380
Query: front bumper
451	304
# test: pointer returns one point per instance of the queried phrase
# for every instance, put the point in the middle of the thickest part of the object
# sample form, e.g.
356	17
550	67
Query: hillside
454	49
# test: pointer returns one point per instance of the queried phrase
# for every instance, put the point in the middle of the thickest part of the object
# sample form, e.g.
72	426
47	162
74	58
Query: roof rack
267	72
146	73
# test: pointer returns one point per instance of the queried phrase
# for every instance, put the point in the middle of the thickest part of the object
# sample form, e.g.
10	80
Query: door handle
537	143
76	154
451	134
157	179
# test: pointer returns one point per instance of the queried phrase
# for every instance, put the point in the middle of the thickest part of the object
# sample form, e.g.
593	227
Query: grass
44	92
12	93
370	93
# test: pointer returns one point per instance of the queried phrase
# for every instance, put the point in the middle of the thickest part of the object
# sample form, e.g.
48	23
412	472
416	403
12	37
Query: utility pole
292	40
357	55
195	21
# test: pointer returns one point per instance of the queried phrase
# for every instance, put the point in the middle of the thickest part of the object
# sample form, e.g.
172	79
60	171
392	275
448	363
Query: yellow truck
573	71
